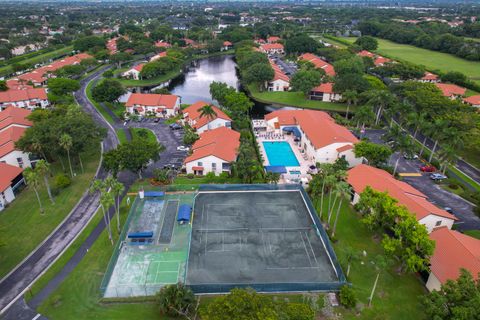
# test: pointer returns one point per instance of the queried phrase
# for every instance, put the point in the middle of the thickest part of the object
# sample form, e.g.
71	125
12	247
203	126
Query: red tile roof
324	87
227	43
7	174
415	201
453	251
271	46
158	56
112	45
273	39
162	44
139	67
8	137
380	61
365	53
278	73
429	76
221	142
152	99
318	126
318	63
473	100
23	95
345	148
15	84
14	116
194	112
449	89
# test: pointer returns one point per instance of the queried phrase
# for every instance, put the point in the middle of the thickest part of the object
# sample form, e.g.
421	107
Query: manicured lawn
38	58
137	134
397	296
150	82
122	137
97	105
318	36
473	233
78	297
295	99
24	228
432	60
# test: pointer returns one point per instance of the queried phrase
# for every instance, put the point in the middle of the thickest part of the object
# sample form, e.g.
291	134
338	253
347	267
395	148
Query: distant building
474	101
13	124
159	105
272	48
451	91
158	56
227	45
318	63
162	44
27	98
429	77
192	116
273	39
134	72
280	81
324	92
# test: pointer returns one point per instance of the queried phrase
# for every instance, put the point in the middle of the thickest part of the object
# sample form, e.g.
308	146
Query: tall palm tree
343	191
325	170
447	155
404	145
33	179
364	115
106	200
350	97
439	132
66	142
116	188
379	99
208	112
350	255
43	168
381	263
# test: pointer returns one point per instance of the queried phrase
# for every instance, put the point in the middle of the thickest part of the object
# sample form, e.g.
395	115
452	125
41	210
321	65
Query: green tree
364	116
62	86
238	305
3	85
106	201
109	90
189	136
342	190
457	299
66	142
116	189
376	154
305	80
43	168
367	43
120	58
32	178
208	112
89	43
301	44
347	297
380	99
350	97
176	300
272	177
259	73
350	255
380	263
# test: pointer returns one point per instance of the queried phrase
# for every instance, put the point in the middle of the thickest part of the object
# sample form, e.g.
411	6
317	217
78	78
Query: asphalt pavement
442	198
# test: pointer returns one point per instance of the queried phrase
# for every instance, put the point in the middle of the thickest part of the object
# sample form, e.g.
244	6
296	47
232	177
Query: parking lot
169	138
462	209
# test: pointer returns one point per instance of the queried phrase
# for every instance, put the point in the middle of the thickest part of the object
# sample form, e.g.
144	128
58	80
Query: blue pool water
279	153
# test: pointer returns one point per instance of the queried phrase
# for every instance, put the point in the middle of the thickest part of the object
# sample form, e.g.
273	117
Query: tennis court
264	239
141	268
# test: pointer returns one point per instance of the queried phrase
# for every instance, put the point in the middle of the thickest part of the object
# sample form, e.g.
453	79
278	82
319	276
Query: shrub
190	176
175	300
347	297
61	181
297	311
210	176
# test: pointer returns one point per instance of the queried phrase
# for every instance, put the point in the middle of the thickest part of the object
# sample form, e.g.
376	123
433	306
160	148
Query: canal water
194	84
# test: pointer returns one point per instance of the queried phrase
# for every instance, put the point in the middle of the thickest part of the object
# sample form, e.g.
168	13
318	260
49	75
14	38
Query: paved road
437	195
13	285
88	205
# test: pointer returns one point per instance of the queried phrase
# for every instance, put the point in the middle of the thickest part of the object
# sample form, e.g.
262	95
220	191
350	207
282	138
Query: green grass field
432	60
24	228
295	99
473	233
38	58
393	290
141	134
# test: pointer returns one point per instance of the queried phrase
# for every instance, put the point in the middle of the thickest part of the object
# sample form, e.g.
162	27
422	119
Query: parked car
410	156
428	168
157	120
175	126
448	209
437	176
183	148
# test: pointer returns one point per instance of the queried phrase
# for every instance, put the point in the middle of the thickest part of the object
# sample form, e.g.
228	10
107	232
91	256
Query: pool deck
277	136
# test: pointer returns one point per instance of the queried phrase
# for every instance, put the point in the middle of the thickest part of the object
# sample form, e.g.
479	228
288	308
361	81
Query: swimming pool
279	153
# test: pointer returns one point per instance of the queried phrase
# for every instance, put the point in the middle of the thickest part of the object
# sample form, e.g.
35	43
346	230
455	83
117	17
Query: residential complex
159	105
193	116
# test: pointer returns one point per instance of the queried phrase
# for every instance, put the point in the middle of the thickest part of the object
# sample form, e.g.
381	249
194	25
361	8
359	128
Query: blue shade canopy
154	194
294	130
276	169
184	213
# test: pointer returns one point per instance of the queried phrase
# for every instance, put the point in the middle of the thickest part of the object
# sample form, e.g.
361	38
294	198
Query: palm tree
379	99
438	131
106	200
43	168
66	142
116	188
416	122
32	177
334	184
350	97
381	263
208	112
343	191
364	115
404	145
350	256
325	170
447	155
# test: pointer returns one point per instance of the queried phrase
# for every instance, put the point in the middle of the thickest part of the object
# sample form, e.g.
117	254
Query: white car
437	176
183	148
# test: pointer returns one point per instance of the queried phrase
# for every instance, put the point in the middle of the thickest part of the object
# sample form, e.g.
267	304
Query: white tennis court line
306	250
311	248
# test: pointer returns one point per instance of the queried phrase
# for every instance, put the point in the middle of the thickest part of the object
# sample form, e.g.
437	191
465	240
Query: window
20	162
438	223
199	163
214	166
